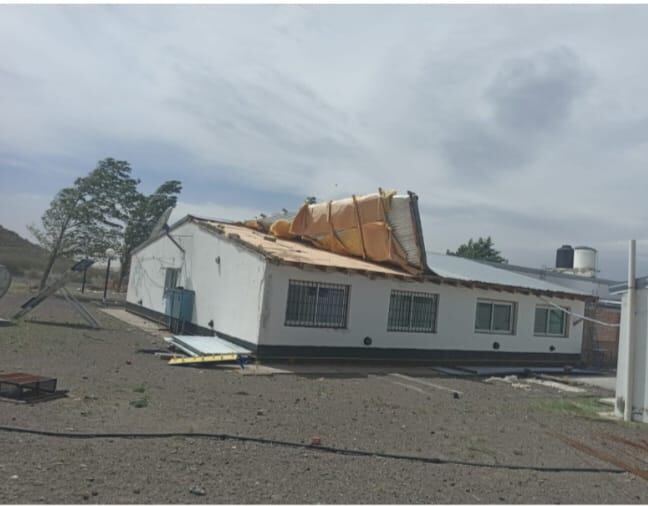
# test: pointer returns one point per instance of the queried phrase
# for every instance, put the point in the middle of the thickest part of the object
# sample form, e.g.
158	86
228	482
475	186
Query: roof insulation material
380	227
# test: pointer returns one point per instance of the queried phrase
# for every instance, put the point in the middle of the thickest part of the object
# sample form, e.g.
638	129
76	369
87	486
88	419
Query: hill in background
25	259
21	257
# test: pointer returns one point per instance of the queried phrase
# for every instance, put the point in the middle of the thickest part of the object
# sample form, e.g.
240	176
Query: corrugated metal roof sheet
449	266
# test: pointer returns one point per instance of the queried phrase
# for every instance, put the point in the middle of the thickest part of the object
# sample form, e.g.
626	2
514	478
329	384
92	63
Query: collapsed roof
463	271
378	235
381	227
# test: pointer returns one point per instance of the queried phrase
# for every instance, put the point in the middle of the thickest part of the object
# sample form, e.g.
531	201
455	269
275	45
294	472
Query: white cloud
504	112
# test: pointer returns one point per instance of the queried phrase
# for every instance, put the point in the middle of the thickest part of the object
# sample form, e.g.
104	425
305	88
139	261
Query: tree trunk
54	253
123	271
48	268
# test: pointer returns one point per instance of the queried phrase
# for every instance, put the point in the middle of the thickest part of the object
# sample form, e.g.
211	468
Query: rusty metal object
605	457
27	387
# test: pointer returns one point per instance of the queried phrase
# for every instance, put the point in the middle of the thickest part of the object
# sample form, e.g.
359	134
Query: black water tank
565	257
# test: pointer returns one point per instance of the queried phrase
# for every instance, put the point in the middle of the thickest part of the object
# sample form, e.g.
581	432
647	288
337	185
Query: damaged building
349	279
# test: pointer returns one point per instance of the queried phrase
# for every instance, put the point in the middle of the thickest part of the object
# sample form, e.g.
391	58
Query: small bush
140	403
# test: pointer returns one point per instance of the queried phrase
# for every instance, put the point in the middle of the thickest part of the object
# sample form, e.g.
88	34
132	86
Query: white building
285	298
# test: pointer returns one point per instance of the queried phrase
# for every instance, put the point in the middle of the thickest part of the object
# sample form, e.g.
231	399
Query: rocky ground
116	385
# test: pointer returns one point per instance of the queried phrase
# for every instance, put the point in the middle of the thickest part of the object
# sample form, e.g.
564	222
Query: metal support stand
59	284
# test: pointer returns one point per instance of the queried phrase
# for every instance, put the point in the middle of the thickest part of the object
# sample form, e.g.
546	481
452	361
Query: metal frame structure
59	284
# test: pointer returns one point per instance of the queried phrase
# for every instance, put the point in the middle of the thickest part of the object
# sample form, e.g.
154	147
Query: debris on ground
511	379
206	349
195	490
26	387
555	384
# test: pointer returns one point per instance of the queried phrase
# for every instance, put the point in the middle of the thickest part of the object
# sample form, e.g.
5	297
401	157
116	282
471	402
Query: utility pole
632	295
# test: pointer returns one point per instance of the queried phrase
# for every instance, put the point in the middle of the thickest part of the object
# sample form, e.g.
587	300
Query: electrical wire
580	316
291	444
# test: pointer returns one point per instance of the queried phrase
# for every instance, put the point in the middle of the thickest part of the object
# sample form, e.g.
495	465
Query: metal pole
106	282
632	253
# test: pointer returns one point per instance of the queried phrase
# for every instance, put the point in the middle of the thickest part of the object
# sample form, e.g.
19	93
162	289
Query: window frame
410	329
315	323
167	288
493	303
546	333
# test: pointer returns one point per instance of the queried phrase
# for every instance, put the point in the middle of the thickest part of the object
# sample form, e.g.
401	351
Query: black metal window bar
412	311
550	322
312	304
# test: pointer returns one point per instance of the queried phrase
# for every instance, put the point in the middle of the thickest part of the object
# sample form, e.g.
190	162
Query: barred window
312	304
412	312
550	322
495	317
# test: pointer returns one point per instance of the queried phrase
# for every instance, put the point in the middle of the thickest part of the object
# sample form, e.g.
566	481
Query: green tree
83	219
103	209
142	216
481	249
66	212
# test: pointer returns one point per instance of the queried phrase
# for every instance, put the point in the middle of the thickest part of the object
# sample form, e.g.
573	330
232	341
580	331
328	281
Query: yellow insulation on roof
354	226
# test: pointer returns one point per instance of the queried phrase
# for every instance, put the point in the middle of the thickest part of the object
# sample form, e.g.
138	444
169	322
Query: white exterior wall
639	355
229	293
368	312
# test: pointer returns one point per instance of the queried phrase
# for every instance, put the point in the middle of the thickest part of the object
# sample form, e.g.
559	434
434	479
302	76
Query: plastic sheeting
381	227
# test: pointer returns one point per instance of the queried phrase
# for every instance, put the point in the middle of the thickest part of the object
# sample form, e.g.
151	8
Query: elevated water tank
565	257
585	260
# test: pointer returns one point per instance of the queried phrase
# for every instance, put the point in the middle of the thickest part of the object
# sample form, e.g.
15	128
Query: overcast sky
526	123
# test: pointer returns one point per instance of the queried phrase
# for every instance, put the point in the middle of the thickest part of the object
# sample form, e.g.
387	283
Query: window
495	317
312	304
550	322
171	279
412	312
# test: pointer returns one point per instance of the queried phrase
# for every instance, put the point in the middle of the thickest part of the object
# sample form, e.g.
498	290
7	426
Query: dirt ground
116	385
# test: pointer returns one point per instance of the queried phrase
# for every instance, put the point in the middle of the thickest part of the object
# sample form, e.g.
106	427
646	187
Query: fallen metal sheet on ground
206	345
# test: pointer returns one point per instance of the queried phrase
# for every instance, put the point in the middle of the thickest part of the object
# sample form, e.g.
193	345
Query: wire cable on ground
291	444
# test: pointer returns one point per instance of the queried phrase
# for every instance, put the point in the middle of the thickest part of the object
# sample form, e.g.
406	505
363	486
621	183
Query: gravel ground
108	376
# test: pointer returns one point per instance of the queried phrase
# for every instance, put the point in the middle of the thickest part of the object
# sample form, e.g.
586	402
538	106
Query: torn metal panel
206	345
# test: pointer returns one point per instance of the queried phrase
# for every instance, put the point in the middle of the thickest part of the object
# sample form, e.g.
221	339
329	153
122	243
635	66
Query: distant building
600	343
